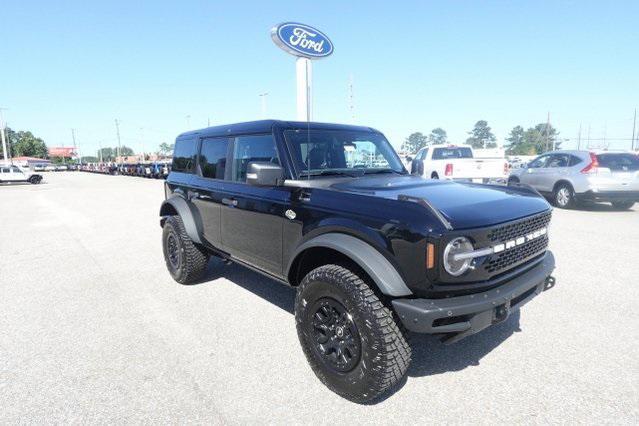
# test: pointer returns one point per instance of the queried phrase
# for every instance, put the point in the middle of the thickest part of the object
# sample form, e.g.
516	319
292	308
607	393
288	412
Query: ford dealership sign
301	40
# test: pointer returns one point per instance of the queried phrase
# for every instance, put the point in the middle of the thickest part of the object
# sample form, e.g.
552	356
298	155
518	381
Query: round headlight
457	246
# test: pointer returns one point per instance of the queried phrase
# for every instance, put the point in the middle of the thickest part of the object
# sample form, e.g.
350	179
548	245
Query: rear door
557	167
208	186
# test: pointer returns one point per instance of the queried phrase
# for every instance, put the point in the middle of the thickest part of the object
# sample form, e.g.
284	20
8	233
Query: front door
253	216
531	175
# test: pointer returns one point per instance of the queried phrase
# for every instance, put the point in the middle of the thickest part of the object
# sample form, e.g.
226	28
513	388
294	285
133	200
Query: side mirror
264	174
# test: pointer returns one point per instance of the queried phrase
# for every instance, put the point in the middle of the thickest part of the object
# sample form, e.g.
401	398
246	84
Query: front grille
505	259
517	229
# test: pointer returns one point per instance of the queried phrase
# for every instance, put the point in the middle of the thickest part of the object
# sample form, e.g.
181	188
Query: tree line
25	144
536	140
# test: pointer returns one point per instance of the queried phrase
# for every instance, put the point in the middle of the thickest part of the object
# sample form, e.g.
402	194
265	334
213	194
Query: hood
464	205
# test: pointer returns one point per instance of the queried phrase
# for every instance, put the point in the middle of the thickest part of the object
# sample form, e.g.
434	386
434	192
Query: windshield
335	152
453	152
619	162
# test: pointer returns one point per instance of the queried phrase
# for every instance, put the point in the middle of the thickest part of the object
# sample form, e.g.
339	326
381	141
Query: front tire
350	338
185	261
564	196
622	205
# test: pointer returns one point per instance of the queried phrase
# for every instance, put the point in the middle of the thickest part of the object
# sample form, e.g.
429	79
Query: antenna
351	105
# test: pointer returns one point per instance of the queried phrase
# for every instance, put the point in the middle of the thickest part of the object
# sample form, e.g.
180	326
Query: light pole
188	121
4	138
263	98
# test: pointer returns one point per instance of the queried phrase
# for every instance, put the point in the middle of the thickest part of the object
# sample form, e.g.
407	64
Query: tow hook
550	283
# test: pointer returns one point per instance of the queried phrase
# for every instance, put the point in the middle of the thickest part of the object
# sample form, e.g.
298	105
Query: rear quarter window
446	153
184	155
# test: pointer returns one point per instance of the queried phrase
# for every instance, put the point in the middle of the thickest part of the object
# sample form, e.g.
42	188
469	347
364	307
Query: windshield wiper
373	171
331	173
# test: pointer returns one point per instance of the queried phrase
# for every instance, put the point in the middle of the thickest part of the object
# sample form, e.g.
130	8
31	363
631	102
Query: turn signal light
449	169
430	256
592	167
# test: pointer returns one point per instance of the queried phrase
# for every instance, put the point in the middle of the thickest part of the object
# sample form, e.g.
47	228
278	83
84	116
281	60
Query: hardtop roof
263	126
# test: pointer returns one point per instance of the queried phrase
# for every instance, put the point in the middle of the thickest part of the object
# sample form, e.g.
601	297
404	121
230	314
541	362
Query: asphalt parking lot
93	329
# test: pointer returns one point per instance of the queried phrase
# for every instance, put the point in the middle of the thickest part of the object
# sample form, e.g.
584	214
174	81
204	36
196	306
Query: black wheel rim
335	336
173	251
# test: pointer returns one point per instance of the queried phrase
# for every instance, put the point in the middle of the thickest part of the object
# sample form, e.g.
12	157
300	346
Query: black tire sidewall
169	229
359	380
623	205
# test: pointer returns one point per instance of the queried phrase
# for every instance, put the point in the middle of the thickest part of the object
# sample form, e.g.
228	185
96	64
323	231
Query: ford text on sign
302	40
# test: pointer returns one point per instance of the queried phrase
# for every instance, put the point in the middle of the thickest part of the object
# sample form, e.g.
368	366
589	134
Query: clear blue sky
416	65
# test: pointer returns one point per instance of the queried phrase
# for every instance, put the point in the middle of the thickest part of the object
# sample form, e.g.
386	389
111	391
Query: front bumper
608	196
459	317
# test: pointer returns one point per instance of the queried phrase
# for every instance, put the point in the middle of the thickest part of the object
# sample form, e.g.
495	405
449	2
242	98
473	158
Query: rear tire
622	205
434	176
350	338
563	196
185	261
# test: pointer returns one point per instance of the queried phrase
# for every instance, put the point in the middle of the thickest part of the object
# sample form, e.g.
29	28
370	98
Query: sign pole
4	140
304	71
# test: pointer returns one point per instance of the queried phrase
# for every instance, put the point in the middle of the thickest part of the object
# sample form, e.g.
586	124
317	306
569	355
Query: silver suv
569	177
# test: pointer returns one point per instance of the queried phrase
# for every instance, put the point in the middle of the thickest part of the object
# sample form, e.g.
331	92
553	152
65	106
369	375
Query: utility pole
117	130
208	122
351	105
74	145
634	126
547	130
188	121
4	138
579	138
263	98
100	151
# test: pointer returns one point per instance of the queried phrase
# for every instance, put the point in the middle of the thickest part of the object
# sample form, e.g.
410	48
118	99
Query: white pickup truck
11	173
458	162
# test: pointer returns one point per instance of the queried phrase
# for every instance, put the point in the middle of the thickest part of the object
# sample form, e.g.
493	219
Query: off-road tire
385	352
190	263
622	205
34	180
563	196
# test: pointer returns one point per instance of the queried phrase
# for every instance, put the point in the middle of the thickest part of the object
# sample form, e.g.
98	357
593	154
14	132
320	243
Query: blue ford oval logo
302	40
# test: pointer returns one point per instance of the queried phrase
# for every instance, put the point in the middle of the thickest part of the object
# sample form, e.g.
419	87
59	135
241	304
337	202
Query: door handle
229	201
193	195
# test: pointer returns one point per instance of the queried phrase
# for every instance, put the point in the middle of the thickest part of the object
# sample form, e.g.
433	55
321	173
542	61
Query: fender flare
180	205
366	256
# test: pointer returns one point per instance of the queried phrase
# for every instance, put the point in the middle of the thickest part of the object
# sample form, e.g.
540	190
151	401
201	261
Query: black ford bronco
373	251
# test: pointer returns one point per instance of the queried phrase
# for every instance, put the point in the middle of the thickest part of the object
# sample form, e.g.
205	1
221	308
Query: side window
574	160
184	155
252	148
15	169
421	155
5	170
213	157
539	162
558	160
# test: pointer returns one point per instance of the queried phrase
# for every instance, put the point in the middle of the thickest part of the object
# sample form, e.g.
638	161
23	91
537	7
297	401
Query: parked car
39	168
570	177
49	168
371	249
457	162
61	168
16	174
